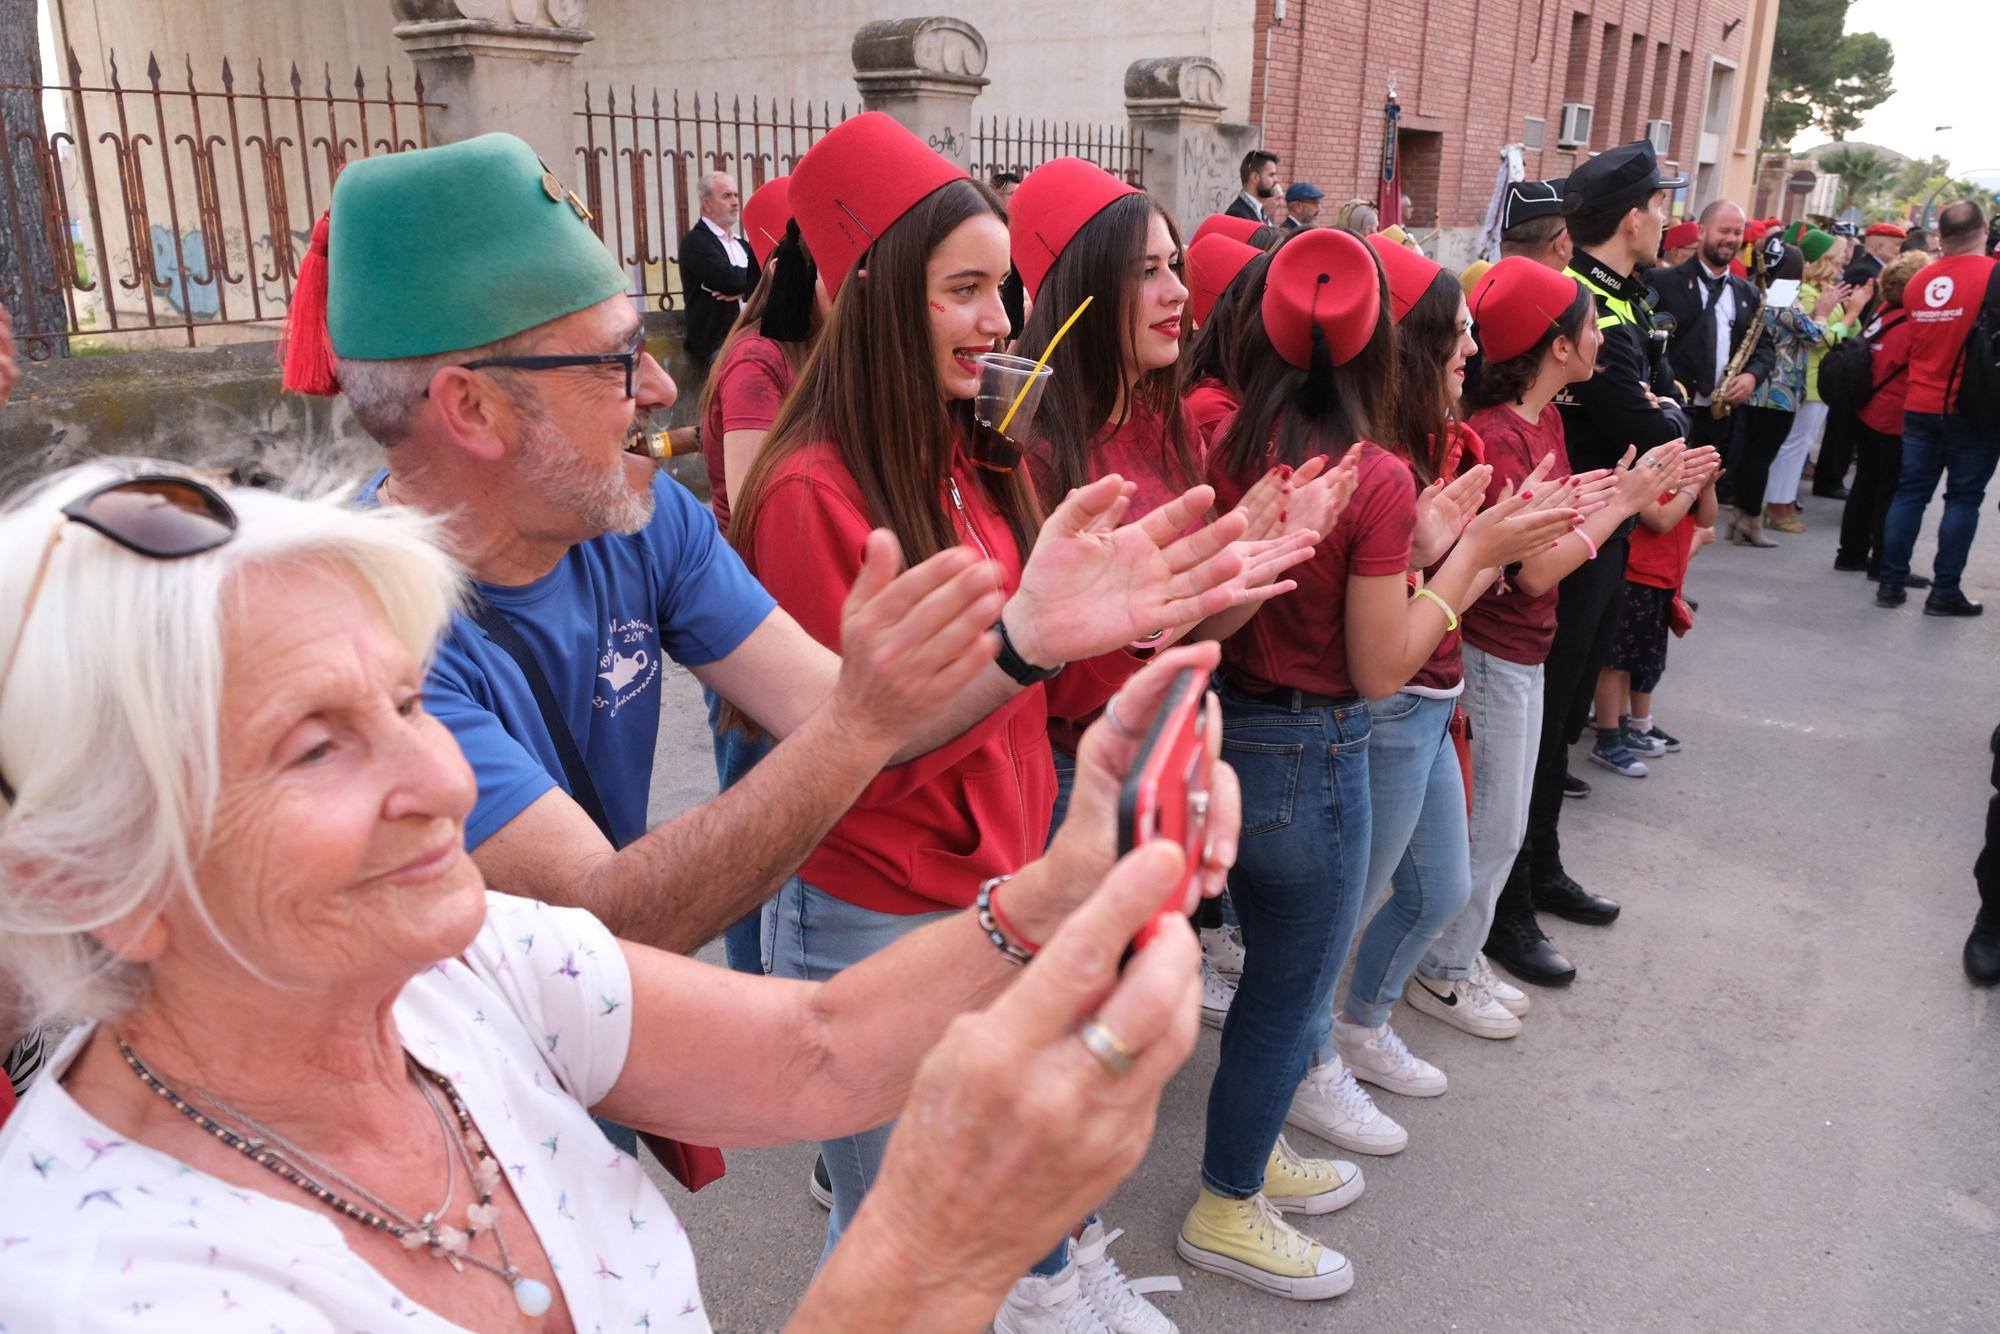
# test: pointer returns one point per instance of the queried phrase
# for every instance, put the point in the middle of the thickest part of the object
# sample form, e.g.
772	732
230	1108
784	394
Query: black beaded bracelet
1010	949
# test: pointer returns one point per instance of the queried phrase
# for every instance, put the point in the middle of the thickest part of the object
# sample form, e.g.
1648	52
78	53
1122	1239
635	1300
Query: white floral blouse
533	1025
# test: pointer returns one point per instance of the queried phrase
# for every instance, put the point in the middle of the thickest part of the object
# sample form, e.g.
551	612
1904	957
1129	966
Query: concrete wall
223	406
1049	58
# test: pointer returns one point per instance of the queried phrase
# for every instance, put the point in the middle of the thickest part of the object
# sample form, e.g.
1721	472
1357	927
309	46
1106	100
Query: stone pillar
925	72
498	65
1175	106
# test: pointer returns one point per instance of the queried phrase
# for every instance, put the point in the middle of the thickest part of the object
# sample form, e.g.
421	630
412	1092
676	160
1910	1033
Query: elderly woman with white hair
322	1078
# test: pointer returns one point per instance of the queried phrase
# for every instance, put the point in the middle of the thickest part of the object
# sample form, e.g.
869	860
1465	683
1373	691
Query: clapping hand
1444	509
1514	528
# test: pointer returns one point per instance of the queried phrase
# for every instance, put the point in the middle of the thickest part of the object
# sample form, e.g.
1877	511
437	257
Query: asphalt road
1770	1102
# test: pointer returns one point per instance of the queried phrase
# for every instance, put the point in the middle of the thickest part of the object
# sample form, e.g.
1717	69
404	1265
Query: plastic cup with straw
1010	391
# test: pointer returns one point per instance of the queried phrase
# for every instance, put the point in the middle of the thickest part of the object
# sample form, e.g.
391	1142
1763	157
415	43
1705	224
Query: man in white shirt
717	268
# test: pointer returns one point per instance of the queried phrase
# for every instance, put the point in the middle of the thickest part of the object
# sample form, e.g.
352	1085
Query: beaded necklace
278	1154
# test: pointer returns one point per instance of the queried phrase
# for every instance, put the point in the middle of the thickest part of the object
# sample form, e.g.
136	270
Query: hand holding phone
1166	791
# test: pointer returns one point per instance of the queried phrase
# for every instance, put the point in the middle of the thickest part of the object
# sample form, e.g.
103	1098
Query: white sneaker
1512	999
1331	1105
1217	993
1051	1305
1120	1302
1379	1056
1223	949
1463	1004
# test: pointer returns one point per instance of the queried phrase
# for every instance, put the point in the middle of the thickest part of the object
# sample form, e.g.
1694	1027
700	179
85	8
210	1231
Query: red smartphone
1165	795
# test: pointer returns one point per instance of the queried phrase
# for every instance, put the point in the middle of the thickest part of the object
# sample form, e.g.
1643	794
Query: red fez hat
1324	279
1051	207
1885	229
1516	302
1236	229
765	214
854	184
1212	264
1410	274
1680	234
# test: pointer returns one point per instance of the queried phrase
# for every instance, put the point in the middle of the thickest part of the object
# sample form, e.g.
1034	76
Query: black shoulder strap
508	639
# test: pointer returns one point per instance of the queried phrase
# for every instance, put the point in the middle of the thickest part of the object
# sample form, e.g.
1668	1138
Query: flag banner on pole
1389	197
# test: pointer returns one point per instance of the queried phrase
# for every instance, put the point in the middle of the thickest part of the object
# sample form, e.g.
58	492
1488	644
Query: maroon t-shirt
1210	406
750	386
1506	622
1299	641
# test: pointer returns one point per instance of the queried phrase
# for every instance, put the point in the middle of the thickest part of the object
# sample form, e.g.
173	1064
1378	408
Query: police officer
1615	207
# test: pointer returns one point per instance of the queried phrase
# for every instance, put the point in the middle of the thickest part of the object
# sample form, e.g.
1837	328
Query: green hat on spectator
438	250
1811	241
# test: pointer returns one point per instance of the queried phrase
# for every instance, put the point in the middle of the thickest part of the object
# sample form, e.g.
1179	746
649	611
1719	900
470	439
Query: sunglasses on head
157	515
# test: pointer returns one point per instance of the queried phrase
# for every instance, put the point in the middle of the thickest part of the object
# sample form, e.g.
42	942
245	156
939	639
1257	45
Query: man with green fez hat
1615	205
484	336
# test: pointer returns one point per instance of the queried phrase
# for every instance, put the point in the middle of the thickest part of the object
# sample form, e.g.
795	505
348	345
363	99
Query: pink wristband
1586	541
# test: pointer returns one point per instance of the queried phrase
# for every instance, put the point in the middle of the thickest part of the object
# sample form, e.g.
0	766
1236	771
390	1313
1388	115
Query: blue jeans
1504	701
1065	780
811	935
1933	446
1417	844
735	754
1301	868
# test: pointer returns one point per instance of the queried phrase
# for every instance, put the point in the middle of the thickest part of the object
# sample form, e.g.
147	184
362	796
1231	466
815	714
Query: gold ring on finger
1101	1042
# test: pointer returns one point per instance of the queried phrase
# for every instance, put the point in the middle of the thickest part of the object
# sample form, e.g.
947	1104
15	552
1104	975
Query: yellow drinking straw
1047	352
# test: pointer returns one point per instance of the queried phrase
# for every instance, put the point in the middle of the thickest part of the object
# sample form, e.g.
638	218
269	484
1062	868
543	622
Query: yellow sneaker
1296	1185
1246	1240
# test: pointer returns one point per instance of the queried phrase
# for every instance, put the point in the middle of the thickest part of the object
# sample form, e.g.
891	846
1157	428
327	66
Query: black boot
1555	892
1982	953
1518	945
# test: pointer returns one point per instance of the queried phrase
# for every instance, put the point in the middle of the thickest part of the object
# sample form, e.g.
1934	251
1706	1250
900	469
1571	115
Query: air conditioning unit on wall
1534	132
1660	133
1573	130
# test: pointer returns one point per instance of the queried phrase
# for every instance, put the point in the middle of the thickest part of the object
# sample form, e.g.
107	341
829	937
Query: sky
1945	68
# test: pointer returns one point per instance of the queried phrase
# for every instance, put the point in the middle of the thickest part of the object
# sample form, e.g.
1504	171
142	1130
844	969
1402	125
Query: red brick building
1474	75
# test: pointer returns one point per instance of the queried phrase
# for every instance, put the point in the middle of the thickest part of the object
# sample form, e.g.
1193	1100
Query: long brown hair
1489	384
1103	260
1326	407
1419	417
870	388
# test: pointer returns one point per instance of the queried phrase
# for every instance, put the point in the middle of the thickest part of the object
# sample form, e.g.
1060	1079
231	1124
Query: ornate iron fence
177	208
1021	145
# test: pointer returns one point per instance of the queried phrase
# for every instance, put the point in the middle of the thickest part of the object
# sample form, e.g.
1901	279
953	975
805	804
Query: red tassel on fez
307	353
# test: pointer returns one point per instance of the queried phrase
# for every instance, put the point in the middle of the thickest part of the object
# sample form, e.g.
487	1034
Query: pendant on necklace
532	1297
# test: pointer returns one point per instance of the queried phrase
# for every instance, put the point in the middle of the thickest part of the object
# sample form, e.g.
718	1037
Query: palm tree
1864	176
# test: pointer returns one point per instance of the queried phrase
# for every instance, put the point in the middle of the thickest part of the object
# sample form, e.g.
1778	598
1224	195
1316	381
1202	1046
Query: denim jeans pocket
1351	724
1394	708
1268	772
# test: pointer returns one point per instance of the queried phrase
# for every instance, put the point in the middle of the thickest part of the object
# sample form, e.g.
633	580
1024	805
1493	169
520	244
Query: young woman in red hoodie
1317	360
877	433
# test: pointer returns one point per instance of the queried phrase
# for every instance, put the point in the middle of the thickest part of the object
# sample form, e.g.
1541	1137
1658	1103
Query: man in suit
1880	244
717	268
1712	309
1257	200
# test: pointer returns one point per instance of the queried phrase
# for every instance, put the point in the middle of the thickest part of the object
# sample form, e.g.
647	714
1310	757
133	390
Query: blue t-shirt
597	624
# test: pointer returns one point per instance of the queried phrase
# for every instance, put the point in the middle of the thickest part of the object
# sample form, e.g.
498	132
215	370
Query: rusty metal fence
178	208
642	162
1021	145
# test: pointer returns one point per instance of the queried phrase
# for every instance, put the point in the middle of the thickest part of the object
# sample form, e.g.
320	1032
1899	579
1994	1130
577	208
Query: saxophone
1737	359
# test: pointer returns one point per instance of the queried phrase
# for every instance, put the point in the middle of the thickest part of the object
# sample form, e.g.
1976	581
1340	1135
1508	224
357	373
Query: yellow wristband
1450	616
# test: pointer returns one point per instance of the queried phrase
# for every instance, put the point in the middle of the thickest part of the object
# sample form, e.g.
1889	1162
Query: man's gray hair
385	394
705	187
110	721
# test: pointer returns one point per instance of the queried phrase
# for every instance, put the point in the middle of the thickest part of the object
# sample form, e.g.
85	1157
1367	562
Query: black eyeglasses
157	515
629	359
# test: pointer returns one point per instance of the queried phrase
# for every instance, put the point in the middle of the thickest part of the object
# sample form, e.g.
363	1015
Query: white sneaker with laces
1512	999
1463	1004
1223	949
1331	1105
1120	1302
1379	1056
1048	1305
1217	993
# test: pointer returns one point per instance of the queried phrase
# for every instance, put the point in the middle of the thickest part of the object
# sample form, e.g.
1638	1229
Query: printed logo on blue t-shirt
627	667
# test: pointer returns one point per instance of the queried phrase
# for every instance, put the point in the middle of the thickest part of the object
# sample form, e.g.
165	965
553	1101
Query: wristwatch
1019	669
